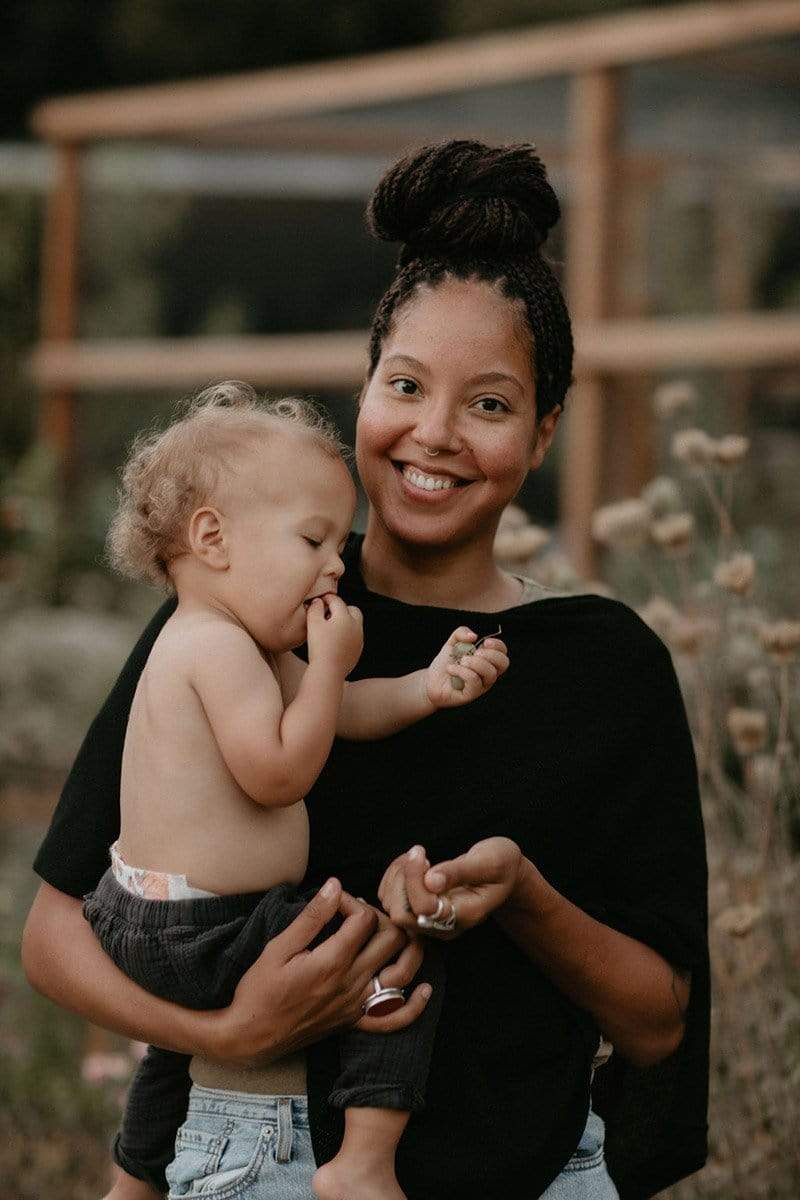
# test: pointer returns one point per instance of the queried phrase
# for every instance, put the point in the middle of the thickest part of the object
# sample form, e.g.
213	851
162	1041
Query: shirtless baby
243	510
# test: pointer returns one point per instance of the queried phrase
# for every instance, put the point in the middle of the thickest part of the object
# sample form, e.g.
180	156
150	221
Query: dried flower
748	728
660	615
739	920
556	571
730	450
512	517
736	574
517	545
693	446
99	1067
661	495
674	397
780	639
623	524
688	634
674	532
764	774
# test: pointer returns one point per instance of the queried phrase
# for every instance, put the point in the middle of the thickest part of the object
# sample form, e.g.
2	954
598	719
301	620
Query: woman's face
455	376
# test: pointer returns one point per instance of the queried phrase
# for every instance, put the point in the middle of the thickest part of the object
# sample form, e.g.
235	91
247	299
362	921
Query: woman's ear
545	431
207	540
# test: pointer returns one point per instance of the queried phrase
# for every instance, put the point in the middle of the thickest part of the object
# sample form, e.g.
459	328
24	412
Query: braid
470	211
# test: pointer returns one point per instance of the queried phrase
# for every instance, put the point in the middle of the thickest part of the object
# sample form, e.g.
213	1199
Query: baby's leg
154	1111
364	1167
382	1081
125	1187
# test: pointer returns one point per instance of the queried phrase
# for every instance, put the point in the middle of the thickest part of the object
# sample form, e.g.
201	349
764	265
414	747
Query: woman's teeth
429	482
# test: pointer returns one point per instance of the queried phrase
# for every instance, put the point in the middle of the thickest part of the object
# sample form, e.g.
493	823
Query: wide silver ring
384	1000
438	922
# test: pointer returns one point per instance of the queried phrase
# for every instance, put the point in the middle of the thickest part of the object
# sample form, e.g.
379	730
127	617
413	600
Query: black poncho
582	755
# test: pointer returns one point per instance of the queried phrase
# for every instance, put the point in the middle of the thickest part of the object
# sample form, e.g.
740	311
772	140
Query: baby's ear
207	539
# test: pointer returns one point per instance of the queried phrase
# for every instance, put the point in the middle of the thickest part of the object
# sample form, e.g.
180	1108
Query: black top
583	756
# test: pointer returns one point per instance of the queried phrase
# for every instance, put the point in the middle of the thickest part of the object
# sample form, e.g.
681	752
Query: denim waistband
247	1105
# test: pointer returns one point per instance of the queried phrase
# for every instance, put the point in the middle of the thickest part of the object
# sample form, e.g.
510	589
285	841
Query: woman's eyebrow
497	377
407	360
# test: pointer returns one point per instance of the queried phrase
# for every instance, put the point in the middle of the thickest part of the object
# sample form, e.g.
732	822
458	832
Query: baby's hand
335	632
457	676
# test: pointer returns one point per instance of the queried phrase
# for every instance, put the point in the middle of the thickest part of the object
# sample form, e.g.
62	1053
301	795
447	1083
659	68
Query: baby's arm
275	753
377	708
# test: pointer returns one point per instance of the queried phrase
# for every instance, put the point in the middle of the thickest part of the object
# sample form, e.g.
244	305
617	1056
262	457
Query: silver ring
384	1000
438	923
429	452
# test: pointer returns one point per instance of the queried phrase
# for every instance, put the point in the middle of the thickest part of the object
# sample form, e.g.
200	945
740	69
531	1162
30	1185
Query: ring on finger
444	918
383	1000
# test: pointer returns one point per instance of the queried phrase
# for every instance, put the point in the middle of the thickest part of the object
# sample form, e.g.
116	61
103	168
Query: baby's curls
170	473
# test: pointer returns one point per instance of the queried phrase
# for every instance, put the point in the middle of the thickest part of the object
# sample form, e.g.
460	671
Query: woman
561	813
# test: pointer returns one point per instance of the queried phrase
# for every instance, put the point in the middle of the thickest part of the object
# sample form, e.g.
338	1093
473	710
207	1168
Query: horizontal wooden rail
432	69
324	361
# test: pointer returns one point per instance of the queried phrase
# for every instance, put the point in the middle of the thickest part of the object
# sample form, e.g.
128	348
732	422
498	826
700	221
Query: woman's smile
428	487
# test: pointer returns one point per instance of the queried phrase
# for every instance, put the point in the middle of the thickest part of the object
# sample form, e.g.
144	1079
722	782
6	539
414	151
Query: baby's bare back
182	811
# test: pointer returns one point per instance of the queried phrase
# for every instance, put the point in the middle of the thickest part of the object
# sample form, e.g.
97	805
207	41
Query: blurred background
182	190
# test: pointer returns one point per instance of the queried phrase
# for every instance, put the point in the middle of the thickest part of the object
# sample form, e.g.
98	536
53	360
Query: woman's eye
406	387
492	405
312	542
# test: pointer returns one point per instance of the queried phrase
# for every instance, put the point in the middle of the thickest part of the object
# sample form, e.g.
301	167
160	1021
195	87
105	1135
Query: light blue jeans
235	1146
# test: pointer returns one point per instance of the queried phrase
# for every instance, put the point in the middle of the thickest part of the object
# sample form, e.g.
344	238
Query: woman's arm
290	996
636	997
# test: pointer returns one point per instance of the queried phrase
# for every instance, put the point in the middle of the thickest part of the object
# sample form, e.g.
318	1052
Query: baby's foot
345	1178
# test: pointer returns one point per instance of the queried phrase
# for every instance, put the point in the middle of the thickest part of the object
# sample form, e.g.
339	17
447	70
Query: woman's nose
436	430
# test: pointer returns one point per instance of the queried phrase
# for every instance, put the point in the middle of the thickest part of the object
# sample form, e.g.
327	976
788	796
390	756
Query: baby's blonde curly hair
171	473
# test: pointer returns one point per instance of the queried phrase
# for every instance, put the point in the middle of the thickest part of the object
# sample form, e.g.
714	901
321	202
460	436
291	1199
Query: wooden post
734	253
59	298
594	121
629	458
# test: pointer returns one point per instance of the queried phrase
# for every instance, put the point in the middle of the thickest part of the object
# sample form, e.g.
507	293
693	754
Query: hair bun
465	198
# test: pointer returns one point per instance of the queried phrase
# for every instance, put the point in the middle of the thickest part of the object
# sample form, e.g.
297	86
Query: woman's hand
475	884
293	996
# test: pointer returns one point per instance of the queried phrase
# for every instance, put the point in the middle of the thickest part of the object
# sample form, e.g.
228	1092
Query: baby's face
287	515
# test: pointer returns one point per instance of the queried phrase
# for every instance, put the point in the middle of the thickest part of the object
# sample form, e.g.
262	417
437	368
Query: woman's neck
465	576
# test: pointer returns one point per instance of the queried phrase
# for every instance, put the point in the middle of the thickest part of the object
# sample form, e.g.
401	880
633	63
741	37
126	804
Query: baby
243	509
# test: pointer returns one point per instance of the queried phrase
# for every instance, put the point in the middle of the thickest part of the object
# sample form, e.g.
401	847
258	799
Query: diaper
153	885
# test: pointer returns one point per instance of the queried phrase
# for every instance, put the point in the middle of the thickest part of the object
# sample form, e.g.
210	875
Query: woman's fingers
400	972
402	1017
381	947
321	909
420	899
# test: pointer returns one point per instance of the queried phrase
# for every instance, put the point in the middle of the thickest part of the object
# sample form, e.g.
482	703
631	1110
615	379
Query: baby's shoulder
189	640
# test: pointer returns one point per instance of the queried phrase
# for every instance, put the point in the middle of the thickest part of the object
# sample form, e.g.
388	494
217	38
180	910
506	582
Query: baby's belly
223	845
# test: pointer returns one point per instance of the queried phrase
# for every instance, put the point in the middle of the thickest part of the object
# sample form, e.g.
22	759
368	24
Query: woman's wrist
222	1036
530	894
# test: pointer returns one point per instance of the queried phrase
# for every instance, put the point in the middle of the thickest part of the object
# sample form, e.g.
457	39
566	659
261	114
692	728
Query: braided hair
470	211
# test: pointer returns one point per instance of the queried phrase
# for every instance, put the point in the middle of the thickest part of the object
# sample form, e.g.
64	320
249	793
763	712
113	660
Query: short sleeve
650	842
652	864
74	852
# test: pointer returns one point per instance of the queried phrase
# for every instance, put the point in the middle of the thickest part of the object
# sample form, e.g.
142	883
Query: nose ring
429	452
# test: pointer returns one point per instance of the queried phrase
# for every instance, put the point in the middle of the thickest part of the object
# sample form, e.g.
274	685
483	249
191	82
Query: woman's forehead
465	323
